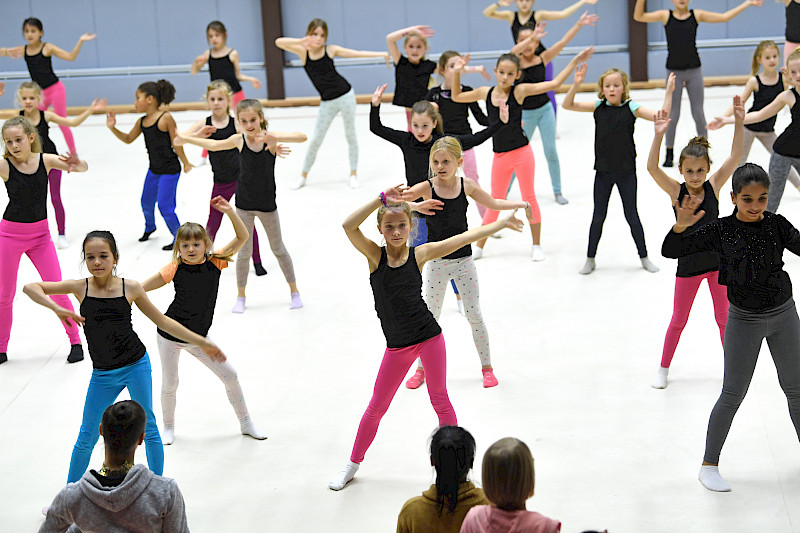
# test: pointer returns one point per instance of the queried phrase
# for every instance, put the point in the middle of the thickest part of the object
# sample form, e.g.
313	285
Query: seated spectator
121	496
508	480
442	507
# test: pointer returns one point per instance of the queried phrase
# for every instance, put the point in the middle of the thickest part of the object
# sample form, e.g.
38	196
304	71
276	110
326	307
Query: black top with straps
681	42
27	194
405	319
43	129
163	159
40	68
614	149
322	72
700	262
221	68
451	220
255	189
793	22
534	74
109	332
411	81
196	288
516	26
788	143
455	119
224	163
512	136
761	98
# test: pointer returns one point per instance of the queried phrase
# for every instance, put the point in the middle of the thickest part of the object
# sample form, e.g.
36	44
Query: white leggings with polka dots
438	274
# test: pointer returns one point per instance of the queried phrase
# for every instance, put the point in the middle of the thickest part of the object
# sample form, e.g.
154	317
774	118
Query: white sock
477	252
461	307
168	435
660	380
238	307
712	480
344	477
250	429
588	267
537	254
297	303
648	265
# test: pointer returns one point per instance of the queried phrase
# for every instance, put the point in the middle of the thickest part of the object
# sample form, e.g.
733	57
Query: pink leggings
521	163
56	96
685	291
395	365
54	179
235	99
471	171
32	239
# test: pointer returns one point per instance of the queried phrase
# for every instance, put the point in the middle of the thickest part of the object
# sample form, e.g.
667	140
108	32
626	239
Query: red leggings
504	165
685	291
56	96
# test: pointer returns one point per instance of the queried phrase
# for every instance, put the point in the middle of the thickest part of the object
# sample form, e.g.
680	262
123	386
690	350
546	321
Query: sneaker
560	200
3	357
299	183
416	381
536	253
488	379
75	353
353	181
62	242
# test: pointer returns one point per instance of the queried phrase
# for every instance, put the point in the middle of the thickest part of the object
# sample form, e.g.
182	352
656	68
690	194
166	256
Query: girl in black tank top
408	325
412	72
118	356
694	165
223	61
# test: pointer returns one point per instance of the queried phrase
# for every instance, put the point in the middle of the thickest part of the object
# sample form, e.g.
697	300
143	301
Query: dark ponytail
452	455
162	90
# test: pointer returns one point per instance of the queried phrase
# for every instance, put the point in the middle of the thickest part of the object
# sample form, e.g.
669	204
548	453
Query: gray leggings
779	166
328	109
693	80
767	138
272	225
743	337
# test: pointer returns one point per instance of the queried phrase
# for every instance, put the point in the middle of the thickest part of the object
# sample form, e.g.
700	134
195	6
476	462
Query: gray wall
142	40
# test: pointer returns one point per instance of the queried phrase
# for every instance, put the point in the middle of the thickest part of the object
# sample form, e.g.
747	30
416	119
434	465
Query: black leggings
626	185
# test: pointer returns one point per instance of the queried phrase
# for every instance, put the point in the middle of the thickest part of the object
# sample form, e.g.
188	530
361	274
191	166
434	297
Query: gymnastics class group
423	224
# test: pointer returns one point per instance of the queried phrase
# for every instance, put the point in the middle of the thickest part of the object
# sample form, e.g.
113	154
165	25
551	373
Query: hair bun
702	141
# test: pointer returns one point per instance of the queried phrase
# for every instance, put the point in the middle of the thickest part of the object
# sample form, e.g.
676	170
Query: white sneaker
299	183
62	242
353	181
537	254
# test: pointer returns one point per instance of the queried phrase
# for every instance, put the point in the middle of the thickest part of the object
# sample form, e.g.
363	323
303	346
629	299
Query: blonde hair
625	83
220	85
507	474
763	45
449	145
28	128
192	231
415	35
404	207
32	85
793	56
255	105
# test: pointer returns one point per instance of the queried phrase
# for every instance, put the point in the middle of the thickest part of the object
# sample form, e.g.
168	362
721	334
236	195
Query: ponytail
162	90
452	455
698	148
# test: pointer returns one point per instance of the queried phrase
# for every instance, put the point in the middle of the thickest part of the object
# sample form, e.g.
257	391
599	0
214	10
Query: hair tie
383	198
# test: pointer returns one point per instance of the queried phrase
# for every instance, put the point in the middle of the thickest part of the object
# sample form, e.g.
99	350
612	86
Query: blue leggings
420	236
545	119
161	188
104	387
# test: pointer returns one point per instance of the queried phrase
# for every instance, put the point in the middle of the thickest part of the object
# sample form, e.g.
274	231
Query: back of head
452	455
162	90
123	423
748	174
697	148
424	107
507	474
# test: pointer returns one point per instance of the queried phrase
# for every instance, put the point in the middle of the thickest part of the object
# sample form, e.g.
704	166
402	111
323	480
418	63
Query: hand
585	54
16	52
661	122
71	159
99	104
265	137
757	3
425	31
87	37
111	119
388	59
376	96
512	222
503	108
429	207
222	205
529	211
70	318
187	167
306	42
178	141
205	132
685	211
2	87
587	19
738	109
282	150
580	73
199	61
485	74
538	32
716	124
397	194
213	351
671	82
459	64
256	83
504	3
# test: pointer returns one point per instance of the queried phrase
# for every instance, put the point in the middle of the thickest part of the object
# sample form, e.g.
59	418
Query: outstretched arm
127	138
524	90
710	16
474	191
40	291
640	15
667	184
569	102
585	20
97	106
53	50
435	250
68	162
731	163
564	13
340	51
493	13
213	145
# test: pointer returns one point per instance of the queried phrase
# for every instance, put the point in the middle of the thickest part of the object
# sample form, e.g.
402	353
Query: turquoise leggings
545	118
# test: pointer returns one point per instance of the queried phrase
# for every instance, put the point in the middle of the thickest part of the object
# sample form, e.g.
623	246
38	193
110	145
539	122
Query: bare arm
639	14
710	16
492	12
220	204
569	102
564	13
213	145
667	184
465	97
53	50
68	162
156	281
351	224
234	57
649	114
291	44
199	61
97	106
392	38
585	20
172	131
340	51
731	163
39	292
127	138
474	191
524	90
435	250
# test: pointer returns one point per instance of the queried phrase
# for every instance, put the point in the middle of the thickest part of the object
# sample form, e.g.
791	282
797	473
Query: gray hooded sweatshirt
142	503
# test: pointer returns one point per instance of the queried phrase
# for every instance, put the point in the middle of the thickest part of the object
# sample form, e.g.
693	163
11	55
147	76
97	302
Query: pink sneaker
488	379
416	381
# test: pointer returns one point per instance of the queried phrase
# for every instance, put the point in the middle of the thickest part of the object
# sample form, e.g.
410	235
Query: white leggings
438	274
170	351
328	109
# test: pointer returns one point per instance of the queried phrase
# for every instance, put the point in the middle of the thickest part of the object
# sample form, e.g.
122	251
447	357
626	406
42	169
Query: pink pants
235	99
32	239
54	179
685	291
471	171
227	190
521	163
56	96
395	365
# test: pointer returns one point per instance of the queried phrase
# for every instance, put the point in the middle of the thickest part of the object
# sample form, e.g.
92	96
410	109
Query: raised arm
465	97
220	204
98	105
534	38
40	291
667	184
375	124
706	238
569	102
523	90
392	38
53	50
493	13
731	163
585	20
296	46
127	138
640	15
649	114
710	16
564	13
351	226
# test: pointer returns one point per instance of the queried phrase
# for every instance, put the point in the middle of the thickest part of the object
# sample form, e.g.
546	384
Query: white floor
574	356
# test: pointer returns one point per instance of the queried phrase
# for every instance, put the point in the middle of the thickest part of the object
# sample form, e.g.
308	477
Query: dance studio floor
574	356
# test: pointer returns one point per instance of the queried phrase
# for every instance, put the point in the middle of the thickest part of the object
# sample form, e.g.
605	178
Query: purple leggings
56	96
54	179
226	190
32	239
395	365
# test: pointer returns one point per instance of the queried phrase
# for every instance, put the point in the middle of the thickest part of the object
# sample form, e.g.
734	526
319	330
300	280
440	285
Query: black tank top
328	83
700	262
516	26
27	194
614	150
255	189
788	143
196	288
163	159
512	136
761	98
40	68
681	42
221	68
43	129
224	163
455	119
793	22
534	74
405	319
109	332
411	81
450	221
